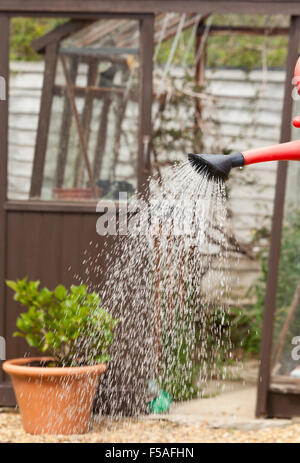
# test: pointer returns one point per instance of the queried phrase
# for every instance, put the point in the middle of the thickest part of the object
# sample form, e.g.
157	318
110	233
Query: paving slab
229	405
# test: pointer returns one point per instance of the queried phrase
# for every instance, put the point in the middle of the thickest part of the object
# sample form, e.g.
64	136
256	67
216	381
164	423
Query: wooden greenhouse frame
36	232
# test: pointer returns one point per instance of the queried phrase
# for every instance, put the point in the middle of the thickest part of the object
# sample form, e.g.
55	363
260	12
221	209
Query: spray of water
166	282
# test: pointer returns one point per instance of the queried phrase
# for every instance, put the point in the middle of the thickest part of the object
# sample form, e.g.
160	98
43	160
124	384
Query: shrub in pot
55	393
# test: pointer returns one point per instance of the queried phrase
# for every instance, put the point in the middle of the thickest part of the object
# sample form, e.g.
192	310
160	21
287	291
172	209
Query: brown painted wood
88	108
12	268
76	15
248	30
101	136
120	114
282	405
57	34
273	264
51	255
44	121
71	261
83	207
200	47
7	395
82	142
4	72
65	130
59	7
86	120
145	101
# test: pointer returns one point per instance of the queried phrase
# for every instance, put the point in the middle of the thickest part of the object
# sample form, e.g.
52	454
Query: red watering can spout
284	151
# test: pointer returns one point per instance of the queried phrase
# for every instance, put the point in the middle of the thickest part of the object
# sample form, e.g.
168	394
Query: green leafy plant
70	325
24	31
245	331
179	371
246	323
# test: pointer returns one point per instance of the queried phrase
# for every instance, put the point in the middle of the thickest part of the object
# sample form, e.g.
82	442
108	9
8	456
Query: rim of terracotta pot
61	189
18	367
75	190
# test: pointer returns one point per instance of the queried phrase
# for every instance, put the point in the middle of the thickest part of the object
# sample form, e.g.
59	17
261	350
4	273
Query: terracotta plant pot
75	194
54	400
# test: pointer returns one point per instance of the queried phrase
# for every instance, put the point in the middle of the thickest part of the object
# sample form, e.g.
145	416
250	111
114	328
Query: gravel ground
158	431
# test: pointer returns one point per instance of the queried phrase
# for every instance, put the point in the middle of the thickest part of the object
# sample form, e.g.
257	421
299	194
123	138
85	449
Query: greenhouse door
79	133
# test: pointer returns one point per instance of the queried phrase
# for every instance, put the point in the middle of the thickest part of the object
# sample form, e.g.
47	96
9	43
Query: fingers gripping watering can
220	165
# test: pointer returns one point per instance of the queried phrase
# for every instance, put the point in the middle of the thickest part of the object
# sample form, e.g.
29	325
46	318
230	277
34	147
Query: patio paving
234	410
226	404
